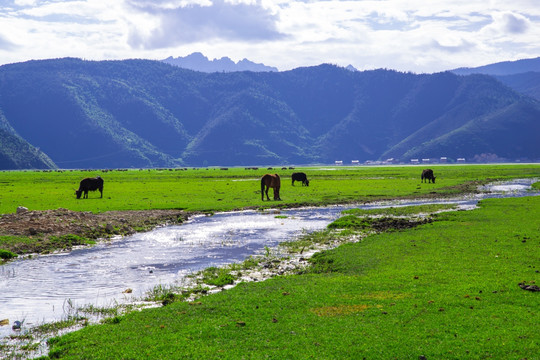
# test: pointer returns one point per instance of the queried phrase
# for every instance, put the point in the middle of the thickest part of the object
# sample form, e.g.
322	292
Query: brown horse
270	181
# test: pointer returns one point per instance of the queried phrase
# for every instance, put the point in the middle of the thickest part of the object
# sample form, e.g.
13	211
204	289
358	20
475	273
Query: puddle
44	288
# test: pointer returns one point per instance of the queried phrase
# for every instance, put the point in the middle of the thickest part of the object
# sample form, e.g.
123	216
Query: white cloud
509	23
25	2
182	24
416	35
78	10
5	44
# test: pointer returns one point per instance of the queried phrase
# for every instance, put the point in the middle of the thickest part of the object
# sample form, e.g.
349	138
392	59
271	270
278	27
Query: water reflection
43	289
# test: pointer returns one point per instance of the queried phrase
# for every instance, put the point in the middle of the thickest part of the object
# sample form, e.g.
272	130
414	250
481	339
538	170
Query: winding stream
45	288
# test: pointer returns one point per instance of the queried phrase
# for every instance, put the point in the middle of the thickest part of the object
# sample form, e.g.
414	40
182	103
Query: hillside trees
140	113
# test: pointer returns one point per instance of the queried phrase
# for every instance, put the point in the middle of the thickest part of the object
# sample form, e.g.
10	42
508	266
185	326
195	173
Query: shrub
5	254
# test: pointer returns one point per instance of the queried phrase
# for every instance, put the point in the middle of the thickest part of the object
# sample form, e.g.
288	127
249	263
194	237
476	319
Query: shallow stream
46	288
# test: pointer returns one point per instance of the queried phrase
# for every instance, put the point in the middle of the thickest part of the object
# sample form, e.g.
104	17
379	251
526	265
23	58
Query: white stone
21	210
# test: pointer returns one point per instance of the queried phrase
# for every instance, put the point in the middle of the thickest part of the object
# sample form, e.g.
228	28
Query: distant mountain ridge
521	75
198	62
142	113
503	68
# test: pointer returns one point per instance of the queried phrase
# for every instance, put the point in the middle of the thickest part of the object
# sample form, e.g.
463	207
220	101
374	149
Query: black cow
89	184
427	174
300	176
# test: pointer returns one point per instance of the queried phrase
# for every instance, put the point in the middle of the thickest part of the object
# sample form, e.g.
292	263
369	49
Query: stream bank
101	275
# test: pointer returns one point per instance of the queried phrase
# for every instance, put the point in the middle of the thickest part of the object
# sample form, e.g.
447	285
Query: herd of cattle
267	181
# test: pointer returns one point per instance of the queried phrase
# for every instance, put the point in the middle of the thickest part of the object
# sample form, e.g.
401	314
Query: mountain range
503	68
70	113
198	62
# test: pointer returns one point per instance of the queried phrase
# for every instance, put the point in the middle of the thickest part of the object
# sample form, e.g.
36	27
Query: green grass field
443	290
236	188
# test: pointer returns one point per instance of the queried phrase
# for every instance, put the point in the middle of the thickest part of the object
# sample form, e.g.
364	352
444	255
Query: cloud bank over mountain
417	36
218	20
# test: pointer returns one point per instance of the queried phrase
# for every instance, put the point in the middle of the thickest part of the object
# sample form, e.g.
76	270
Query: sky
420	36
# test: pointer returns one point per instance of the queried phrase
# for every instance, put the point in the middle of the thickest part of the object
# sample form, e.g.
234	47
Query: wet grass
52	327
201	281
39	244
442	290
402	210
309	241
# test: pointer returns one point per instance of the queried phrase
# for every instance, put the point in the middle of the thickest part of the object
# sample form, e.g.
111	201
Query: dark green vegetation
521	75
16	153
443	290
138	113
526	83
40	244
6	255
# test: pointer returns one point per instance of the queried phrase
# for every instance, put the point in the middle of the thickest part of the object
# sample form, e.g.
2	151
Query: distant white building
414	161
444	159
338	162
355	162
426	161
461	160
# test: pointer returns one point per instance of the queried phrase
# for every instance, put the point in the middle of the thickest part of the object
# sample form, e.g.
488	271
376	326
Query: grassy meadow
447	289
236	188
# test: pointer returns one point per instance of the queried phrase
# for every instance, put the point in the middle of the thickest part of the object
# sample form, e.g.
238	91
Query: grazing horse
427	174
270	181
300	176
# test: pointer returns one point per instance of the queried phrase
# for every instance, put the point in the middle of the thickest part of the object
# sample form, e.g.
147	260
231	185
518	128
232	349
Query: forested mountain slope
140	113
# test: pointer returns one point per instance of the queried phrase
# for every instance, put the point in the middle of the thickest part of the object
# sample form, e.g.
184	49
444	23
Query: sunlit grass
443	290
236	188
446	289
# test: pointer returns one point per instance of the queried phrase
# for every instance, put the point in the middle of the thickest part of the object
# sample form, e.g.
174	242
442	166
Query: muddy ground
48	230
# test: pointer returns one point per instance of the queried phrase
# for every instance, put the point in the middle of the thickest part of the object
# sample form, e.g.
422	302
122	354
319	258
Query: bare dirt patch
40	227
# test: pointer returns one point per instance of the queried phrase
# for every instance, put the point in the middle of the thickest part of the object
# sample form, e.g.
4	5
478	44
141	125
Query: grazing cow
89	184
270	181
427	174
300	176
